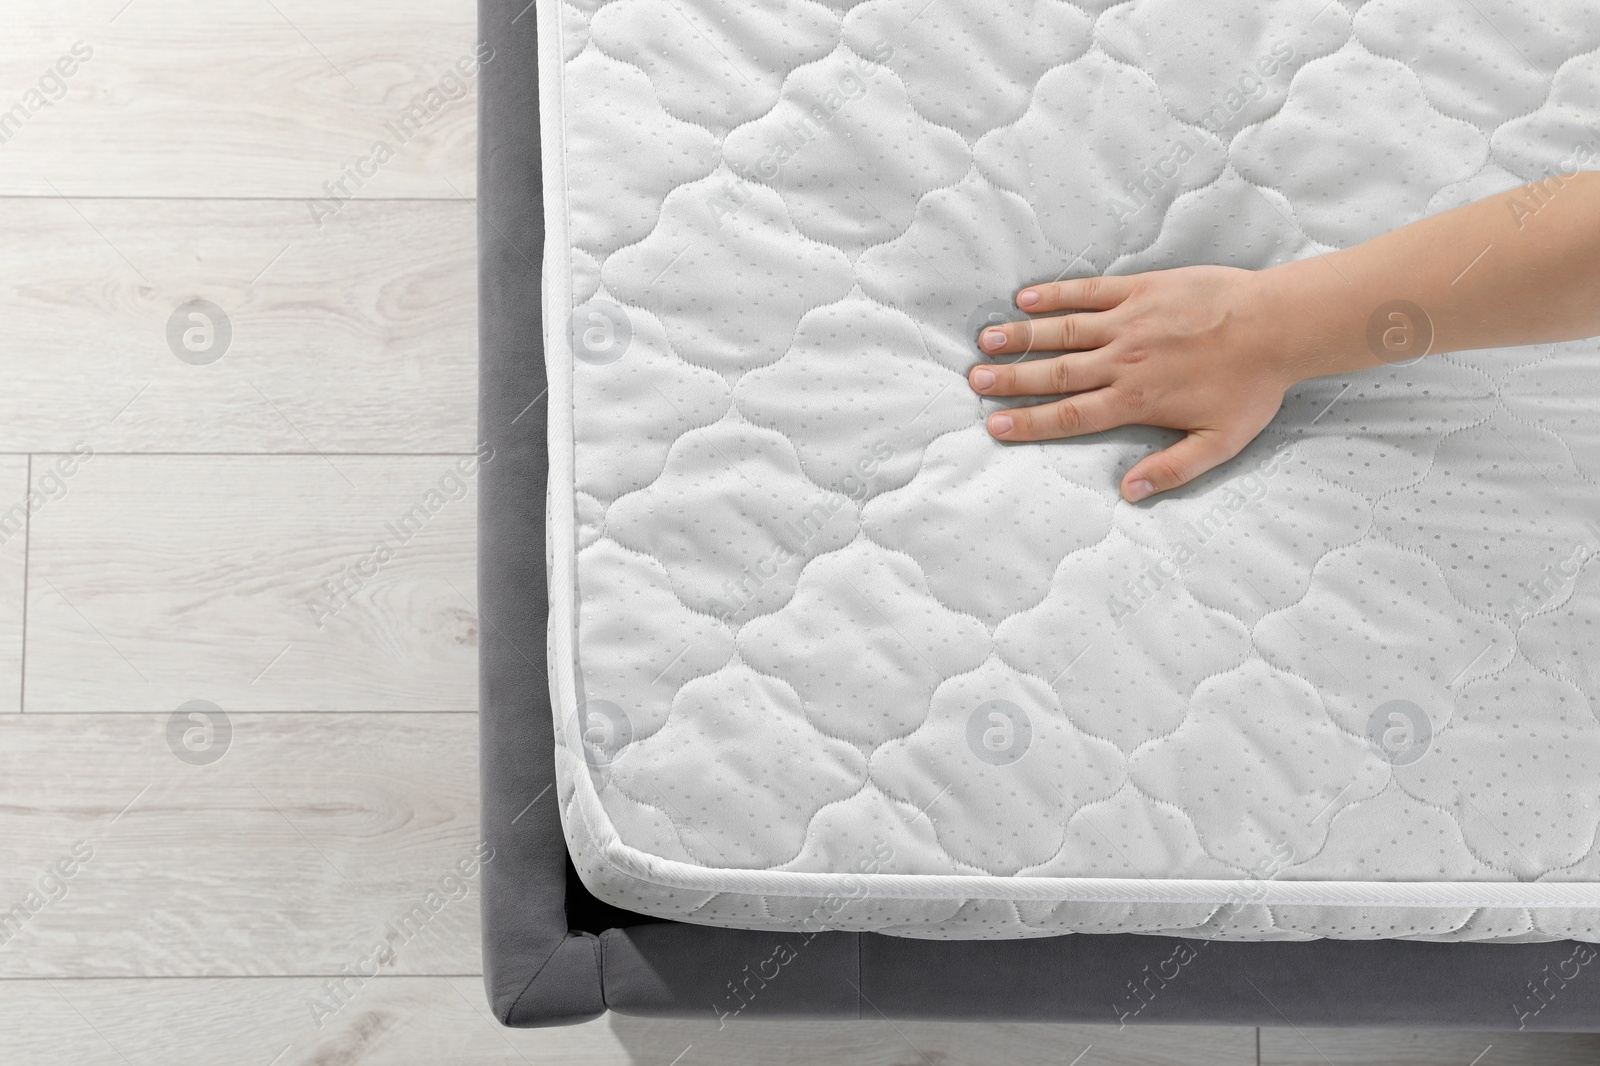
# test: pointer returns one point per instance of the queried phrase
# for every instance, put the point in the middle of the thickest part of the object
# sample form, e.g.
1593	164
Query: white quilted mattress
825	655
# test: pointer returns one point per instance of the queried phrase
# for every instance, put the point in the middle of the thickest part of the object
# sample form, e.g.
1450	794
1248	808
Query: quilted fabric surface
825	655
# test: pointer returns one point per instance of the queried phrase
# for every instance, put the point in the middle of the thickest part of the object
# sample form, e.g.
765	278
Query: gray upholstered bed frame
555	955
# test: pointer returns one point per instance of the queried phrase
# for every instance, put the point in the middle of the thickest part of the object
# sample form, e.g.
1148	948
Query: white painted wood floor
188	512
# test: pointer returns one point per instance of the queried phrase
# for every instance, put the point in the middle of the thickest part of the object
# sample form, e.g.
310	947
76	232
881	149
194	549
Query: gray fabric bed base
553	955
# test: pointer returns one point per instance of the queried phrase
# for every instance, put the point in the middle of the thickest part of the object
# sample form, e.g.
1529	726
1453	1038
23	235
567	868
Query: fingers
1060	334
1078	372
1082	294
1177	465
1092	412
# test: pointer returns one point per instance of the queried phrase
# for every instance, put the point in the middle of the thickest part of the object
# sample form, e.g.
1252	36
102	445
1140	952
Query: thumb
1177	465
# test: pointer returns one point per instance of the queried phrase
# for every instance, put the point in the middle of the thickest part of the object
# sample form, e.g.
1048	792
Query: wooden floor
249	778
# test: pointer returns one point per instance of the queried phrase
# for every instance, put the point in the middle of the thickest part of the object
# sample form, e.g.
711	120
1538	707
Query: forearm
1521	267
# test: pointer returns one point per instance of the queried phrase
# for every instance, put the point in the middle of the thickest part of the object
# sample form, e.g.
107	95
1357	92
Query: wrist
1317	323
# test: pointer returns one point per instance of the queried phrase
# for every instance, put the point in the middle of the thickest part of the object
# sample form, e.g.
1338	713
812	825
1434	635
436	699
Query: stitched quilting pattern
820	615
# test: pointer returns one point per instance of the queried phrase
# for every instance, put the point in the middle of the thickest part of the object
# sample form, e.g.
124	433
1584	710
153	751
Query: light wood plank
162	579
239	98
359	336
14	490
1393	1047
400	1021
290	854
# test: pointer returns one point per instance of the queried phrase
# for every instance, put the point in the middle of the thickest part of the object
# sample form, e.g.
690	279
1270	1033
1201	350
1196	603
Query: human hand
1211	350
1185	349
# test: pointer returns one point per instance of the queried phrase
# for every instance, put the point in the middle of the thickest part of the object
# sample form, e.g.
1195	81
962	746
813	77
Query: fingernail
999	424
994	340
1138	490
1027	298
983	378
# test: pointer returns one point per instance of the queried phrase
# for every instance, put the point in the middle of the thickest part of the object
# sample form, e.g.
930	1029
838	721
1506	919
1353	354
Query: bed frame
555	955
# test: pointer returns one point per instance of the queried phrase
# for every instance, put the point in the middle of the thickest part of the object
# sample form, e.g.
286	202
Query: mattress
824	655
